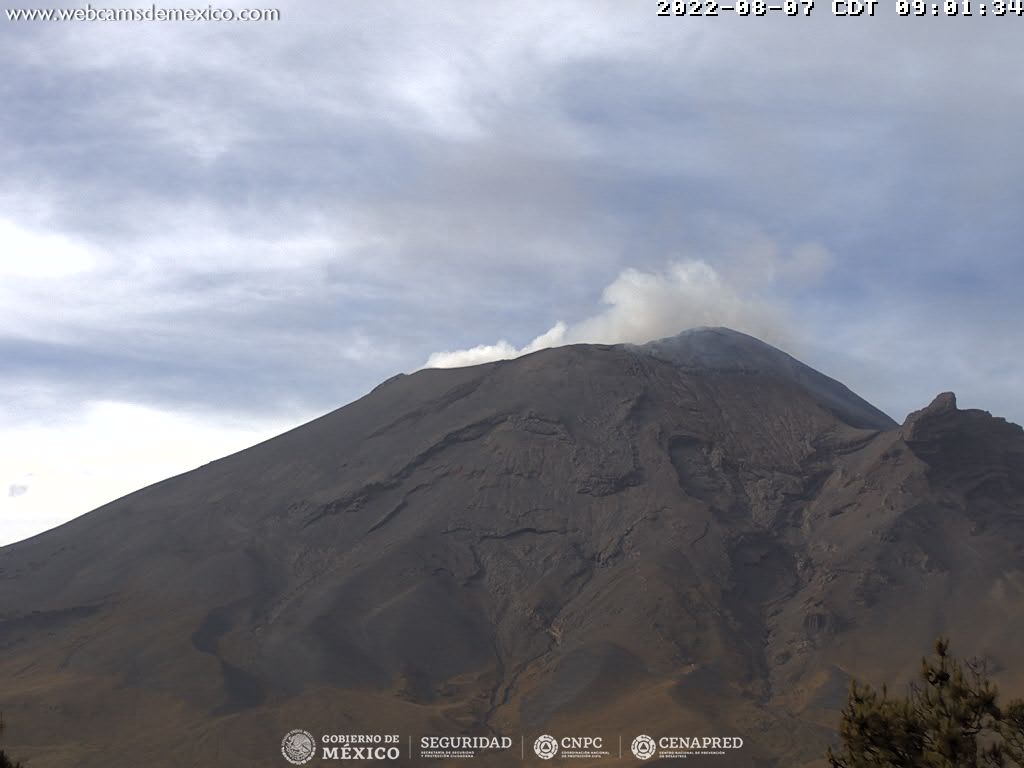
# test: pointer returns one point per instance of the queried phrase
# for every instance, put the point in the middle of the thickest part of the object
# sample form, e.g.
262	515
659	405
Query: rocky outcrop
970	452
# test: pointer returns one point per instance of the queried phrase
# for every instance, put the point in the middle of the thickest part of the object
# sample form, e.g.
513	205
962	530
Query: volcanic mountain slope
700	536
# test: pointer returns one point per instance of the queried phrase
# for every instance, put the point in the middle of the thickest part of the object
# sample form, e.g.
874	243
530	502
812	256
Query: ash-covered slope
586	539
723	349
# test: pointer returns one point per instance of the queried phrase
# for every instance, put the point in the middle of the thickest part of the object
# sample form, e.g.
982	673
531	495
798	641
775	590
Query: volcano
700	536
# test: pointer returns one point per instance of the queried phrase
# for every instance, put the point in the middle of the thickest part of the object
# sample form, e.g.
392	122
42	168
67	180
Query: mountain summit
726	350
698	536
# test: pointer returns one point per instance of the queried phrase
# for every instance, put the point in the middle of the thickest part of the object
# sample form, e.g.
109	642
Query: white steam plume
641	306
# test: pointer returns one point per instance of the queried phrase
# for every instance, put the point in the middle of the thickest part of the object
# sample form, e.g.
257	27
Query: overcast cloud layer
216	231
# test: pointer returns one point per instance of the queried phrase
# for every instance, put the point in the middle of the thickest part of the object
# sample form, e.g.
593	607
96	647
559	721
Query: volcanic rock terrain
699	536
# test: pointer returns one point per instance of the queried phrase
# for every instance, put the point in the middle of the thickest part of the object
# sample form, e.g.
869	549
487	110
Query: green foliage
952	719
5	761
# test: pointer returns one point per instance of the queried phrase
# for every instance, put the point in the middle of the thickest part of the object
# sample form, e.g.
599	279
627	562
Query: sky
211	232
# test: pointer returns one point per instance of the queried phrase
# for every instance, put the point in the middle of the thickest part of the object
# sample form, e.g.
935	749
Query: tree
5	761
951	719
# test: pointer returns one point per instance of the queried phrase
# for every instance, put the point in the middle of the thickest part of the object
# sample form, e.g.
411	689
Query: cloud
762	261
68	468
28	254
640	306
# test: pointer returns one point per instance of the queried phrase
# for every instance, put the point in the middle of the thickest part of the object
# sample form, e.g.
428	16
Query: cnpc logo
546	747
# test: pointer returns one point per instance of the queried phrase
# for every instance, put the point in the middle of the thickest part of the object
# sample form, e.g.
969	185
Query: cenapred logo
546	747
643	747
298	746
